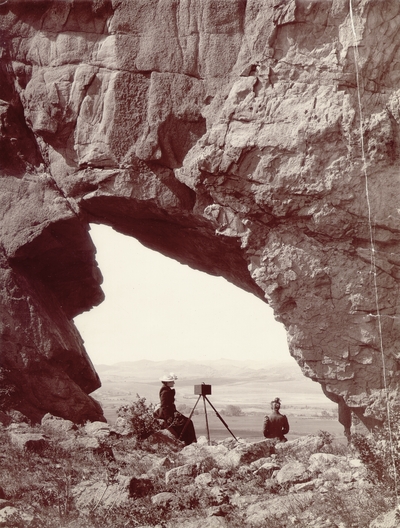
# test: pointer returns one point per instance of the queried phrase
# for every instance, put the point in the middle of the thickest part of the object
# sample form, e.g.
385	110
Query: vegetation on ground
41	484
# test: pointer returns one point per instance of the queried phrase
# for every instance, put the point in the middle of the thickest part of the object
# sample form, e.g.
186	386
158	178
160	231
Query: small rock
386	520
219	495
166	462
188	470
163	499
18	426
97	429
304	486
258	463
292	473
105	495
203	480
267	469
10	514
319	462
57	424
198	452
83	442
195	522
356	463
4	419
17	417
122	426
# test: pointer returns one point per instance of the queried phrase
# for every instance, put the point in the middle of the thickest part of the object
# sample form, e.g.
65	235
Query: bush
140	418
380	450
232	410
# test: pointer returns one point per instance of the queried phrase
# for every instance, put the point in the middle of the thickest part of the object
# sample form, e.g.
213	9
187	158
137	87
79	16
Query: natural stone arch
223	134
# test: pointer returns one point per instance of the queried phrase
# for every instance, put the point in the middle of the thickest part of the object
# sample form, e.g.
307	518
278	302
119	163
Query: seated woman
177	423
276	425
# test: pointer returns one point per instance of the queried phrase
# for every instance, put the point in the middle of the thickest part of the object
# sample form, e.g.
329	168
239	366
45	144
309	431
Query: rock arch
223	134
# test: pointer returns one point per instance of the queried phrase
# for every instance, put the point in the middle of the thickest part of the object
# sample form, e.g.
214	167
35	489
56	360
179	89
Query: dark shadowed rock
140	487
5	419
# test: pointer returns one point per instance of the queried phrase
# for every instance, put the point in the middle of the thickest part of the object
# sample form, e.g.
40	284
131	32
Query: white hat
169	377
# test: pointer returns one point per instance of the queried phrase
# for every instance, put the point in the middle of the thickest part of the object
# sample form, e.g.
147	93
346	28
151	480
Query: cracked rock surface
254	140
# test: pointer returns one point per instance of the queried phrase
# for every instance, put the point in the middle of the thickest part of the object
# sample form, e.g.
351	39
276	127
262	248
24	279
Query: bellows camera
202	390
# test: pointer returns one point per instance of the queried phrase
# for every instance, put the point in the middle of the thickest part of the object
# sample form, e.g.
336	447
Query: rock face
255	140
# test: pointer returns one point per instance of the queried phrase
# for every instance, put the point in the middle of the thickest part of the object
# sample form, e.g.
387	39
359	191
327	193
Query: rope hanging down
372	244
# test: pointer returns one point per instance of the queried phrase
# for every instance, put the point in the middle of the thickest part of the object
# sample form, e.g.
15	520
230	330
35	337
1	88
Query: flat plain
233	384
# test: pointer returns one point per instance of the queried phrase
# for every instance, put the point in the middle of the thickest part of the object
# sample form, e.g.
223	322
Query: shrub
380	450
140	418
232	410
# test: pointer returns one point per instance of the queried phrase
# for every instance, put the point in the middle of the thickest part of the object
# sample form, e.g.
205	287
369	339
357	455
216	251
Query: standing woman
177	423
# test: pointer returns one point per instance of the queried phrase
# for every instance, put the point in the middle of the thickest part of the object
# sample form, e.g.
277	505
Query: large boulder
256	140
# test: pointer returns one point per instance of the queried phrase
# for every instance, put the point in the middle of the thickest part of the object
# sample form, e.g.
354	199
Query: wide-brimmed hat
169	377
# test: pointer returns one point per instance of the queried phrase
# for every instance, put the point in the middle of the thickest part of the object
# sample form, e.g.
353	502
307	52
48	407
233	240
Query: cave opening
159	315
158	309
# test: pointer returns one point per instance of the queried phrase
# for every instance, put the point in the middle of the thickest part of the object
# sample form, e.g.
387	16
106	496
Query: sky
157	309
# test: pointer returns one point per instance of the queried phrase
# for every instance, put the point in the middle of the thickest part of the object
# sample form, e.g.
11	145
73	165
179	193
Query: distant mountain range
221	369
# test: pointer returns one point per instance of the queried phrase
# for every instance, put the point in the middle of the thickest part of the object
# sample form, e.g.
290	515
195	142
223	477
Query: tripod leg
194	407
205	414
220	417
190	417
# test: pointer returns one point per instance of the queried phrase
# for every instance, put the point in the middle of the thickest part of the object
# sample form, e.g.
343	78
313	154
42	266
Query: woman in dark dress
177	423
276	425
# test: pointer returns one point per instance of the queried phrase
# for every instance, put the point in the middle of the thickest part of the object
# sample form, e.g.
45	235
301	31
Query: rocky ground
59	475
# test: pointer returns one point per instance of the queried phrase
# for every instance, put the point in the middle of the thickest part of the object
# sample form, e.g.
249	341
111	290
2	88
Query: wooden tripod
205	399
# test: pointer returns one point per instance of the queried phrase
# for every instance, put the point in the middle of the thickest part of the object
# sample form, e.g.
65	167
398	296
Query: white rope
372	243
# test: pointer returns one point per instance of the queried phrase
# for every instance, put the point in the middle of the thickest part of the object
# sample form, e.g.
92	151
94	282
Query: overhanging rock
223	134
